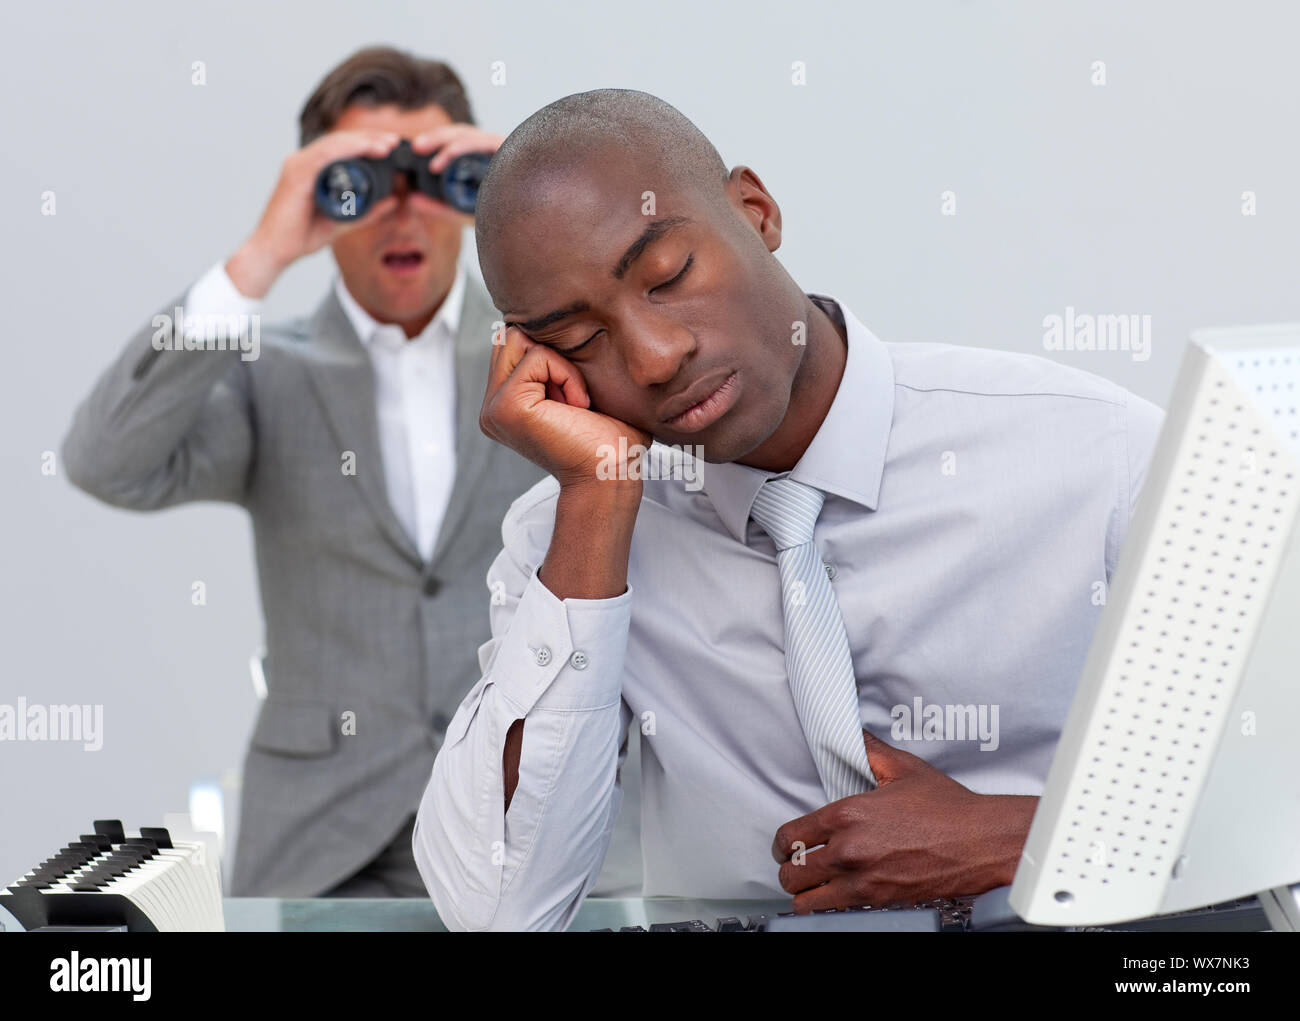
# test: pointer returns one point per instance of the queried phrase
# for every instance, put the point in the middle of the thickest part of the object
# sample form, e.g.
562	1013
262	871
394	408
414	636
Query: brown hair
378	76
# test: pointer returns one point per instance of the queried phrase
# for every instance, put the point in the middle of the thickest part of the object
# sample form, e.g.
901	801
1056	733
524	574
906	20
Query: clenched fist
537	404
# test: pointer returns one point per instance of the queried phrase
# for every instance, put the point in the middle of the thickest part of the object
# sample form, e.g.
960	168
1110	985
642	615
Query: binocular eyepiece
348	189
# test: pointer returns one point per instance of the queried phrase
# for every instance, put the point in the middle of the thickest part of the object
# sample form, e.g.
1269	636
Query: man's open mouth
403	259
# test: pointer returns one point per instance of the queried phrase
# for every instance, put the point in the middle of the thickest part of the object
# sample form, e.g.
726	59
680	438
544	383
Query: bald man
843	587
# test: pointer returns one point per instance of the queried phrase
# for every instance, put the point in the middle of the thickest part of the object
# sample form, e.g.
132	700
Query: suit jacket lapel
344	381
473	448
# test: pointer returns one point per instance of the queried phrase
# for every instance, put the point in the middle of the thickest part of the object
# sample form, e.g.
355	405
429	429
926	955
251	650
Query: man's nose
655	350
403	190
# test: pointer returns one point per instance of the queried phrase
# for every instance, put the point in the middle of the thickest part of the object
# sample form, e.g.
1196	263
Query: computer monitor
1176	783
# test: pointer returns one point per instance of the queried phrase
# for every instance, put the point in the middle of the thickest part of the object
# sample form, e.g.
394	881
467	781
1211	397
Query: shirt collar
846	457
448	313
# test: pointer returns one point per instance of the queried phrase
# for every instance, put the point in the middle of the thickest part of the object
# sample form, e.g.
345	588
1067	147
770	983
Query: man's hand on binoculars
446	143
290	226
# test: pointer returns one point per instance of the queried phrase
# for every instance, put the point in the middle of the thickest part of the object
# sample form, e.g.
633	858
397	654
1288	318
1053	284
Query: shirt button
830	569
543	656
578	660
432	586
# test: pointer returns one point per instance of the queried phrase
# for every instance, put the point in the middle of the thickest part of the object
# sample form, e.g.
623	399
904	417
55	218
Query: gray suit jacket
355	622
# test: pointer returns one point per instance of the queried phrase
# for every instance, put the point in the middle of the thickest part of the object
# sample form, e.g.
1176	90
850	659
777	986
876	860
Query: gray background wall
1116	200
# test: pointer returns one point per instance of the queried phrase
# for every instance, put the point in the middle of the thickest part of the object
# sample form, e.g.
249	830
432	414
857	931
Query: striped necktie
817	655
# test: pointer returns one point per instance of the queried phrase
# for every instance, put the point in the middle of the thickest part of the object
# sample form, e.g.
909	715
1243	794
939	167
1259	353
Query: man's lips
701	403
403	258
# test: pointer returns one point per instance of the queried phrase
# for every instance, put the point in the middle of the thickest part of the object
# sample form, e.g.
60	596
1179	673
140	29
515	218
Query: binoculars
348	189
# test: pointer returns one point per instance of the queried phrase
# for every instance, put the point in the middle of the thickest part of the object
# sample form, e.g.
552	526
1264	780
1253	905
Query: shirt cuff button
578	660
543	655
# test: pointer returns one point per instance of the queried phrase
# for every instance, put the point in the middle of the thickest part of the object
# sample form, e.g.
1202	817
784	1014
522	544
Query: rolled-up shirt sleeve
558	665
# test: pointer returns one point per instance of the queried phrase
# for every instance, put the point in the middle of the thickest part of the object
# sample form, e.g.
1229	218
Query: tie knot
787	511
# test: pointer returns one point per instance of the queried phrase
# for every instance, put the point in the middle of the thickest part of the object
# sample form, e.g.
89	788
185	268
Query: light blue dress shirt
976	504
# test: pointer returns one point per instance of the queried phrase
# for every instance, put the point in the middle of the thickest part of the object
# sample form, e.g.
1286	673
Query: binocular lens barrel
347	189
461	178
343	190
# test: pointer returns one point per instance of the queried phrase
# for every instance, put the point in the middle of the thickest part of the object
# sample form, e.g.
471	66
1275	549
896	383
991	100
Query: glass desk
414	914
417	914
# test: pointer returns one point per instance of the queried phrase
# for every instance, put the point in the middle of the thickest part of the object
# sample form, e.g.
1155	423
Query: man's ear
754	201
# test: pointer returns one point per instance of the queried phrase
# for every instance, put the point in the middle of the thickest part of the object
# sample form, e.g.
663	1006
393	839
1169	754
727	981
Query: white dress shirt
976	504
415	396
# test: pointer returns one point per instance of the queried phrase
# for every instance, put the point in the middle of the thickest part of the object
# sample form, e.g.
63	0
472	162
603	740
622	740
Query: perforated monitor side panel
1196	569
1245	836
1270	375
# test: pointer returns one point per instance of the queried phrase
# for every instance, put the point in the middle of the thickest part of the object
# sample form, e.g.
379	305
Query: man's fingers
427	141
889	763
806	870
540	364
461	146
452	140
339	145
801	834
573	386
835	894
522	365
499	340
505	356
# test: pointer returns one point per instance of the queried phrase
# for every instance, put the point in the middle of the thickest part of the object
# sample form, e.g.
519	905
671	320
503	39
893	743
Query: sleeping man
894	549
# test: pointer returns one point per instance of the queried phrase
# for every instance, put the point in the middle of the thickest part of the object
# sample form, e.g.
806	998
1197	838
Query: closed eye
690	259
562	350
570	350
670	283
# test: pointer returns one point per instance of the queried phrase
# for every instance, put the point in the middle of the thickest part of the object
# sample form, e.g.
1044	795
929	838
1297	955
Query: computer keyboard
945	914
987	912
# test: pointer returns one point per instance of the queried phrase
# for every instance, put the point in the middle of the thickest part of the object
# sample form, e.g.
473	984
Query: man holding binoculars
352	439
